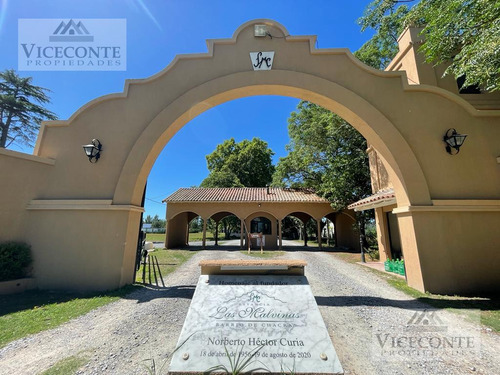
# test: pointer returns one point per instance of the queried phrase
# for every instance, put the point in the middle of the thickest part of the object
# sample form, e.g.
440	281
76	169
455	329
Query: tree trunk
362	228
5	130
3	137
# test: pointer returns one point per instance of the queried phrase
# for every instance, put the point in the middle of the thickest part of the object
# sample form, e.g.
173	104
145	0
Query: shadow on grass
137	292
37	298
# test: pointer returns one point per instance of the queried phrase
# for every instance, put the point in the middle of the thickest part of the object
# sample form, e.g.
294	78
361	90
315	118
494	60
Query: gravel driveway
118	338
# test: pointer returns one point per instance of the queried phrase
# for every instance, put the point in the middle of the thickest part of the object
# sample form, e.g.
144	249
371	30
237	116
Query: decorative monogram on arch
262	60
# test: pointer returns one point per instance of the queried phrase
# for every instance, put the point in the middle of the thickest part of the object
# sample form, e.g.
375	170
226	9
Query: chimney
267	186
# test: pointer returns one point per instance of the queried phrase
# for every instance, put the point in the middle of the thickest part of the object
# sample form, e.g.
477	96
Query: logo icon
71	32
262	60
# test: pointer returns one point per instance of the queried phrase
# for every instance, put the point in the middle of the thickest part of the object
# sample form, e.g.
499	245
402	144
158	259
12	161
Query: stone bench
252	267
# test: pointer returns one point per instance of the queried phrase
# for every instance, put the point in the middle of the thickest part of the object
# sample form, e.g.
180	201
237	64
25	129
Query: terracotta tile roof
243	195
381	198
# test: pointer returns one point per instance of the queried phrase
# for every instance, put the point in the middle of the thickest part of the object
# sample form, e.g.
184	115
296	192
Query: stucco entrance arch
96	223
376	128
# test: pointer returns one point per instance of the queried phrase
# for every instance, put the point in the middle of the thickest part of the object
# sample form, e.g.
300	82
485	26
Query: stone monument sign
272	320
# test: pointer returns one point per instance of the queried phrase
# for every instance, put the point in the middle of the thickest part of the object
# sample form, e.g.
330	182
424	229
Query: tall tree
325	154
231	164
21	109
247	163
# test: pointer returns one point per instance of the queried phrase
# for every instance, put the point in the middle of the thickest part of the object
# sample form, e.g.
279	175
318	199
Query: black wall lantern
453	141
93	150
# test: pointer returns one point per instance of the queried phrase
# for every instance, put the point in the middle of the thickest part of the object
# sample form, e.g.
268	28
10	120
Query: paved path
354	302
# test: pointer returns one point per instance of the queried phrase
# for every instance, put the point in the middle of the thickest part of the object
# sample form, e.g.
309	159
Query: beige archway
96	224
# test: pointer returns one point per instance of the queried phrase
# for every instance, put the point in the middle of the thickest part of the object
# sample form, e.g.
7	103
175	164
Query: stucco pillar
384	246
280	234
166	235
318	225
204	241
242	224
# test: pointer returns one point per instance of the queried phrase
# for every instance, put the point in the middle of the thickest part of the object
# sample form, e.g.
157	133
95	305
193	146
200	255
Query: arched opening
301	218
260	225
228	225
265	223
179	228
195	229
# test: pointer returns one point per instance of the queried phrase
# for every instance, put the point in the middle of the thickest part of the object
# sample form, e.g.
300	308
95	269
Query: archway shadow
146	292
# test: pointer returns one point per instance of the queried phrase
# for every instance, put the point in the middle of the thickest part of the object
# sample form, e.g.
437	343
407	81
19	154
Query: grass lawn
265	254
35	311
67	366
160	237
199	236
489	307
155	237
168	260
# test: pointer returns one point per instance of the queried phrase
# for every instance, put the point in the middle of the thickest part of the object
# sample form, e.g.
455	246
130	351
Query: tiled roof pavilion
244	194
247	204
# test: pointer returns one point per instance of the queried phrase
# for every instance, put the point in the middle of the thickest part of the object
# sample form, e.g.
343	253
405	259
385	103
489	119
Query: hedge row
14	258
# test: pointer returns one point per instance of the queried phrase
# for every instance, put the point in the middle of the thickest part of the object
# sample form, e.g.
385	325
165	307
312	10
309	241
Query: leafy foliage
14	258
155	221
326	154
21	110
388	22
222	178
463	34
247	163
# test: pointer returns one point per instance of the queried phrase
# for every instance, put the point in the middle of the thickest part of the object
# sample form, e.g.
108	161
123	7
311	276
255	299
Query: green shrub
14	258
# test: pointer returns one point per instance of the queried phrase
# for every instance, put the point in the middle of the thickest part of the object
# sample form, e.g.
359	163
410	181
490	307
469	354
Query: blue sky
157	30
